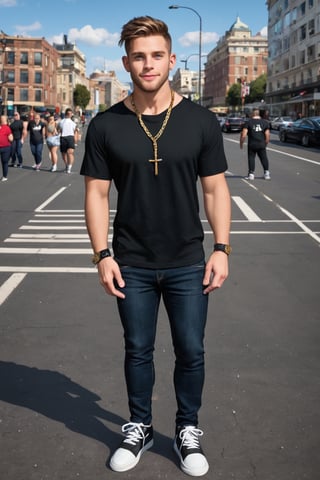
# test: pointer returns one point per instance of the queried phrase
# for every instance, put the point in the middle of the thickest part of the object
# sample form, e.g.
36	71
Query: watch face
228	249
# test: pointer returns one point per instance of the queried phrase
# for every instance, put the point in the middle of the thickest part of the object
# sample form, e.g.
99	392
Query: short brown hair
143	27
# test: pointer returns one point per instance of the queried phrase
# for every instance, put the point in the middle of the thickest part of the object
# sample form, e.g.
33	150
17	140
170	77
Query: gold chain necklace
156	137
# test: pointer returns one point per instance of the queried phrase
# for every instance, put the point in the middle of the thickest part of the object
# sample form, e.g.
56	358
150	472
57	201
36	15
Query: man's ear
125	62
172	61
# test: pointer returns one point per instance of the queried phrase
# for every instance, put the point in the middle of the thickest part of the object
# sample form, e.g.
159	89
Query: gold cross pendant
155	161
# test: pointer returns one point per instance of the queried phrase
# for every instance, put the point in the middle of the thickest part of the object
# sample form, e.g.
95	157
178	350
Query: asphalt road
62	392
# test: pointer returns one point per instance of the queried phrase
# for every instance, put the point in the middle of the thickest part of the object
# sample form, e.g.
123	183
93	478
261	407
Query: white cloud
192	38
93	36
8	3
26	29
264	31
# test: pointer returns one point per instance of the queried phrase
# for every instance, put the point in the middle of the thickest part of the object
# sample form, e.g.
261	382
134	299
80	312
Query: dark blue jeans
16	148
36	150
5	156
182	292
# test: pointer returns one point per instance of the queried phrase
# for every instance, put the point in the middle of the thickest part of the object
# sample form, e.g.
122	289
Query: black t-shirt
157	224
256	132
36	132
17	129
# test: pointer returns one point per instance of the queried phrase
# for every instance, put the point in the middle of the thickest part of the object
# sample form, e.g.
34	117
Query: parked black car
305	131
233	124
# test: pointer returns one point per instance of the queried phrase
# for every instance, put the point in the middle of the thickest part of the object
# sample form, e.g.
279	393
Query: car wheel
282	136
305	141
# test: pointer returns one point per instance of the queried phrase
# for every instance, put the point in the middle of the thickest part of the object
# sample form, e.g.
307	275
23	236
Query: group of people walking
58	135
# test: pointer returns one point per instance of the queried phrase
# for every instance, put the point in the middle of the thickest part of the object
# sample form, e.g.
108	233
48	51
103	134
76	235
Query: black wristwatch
98	256
222	247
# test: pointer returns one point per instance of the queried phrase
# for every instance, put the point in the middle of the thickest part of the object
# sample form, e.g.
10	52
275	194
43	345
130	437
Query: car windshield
317	120
286	119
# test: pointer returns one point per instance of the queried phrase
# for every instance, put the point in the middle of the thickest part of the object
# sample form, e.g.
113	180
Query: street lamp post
200	41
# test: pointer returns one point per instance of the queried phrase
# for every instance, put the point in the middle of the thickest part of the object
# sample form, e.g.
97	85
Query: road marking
11	284
279	151
49	200
26	270
246	210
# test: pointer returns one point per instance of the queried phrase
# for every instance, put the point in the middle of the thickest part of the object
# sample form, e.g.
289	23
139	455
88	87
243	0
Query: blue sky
94	25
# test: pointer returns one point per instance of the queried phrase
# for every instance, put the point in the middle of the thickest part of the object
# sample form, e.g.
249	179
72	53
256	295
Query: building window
24	77
311	53
38	95
303	32
38	58
310	3
10	94
38	77
10	76
24	94
10	58
303	8
302	57
311	27
24	58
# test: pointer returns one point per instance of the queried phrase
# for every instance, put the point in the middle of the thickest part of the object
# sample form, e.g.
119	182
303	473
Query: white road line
9	285
49	200
48	269
30	227
47	251
300	224
56	221
280	151
246	210
47	240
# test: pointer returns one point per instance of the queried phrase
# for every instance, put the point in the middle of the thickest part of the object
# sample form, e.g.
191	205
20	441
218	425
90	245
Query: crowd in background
59	133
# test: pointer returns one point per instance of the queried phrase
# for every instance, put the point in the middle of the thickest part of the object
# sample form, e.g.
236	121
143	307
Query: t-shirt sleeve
212	159
95	161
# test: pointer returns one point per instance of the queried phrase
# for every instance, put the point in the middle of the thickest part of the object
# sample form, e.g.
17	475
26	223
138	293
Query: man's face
149	62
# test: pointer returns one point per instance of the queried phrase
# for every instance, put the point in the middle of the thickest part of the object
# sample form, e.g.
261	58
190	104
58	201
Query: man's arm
217	204
243	134
97	221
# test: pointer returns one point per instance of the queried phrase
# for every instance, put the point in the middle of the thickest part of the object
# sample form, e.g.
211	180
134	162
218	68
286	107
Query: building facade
238	57
28	74
294	57
37	76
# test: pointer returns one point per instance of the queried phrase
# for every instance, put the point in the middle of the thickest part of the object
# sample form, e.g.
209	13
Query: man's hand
216	272
110	276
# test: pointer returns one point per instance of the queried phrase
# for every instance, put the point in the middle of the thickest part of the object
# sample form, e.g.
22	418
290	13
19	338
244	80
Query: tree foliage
257	89
234	95
81	96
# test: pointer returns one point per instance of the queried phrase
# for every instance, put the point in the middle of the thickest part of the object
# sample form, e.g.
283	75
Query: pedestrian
53	141
258	131
154	145
68	129
19	134
6	138
36	129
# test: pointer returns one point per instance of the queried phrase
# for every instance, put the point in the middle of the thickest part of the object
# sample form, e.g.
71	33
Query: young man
258	132
154	145
68	128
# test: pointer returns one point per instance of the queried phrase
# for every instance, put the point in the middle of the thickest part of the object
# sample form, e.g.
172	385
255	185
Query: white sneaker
54	168
267	175
4	179
187	446
139	438
250	176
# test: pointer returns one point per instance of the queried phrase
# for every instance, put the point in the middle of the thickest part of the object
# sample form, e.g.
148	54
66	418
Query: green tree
234	95
81	96
257	89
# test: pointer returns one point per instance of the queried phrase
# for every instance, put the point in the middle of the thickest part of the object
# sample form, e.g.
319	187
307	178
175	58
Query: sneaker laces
190	437
134	432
